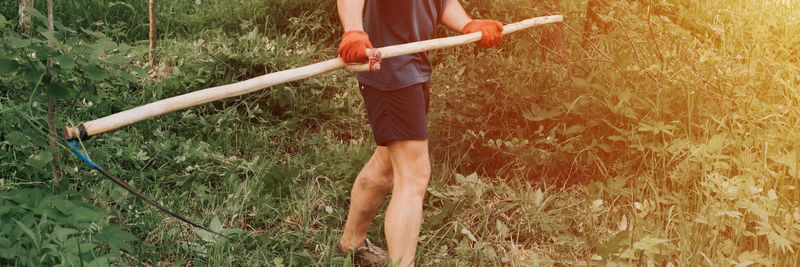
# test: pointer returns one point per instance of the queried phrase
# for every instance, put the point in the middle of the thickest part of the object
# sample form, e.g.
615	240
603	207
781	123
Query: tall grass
128	21
681	114
668	139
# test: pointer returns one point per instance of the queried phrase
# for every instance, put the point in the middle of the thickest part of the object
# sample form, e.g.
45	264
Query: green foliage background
669	138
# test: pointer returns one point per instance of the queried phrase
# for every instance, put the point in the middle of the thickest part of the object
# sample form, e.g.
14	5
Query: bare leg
370	188
411	170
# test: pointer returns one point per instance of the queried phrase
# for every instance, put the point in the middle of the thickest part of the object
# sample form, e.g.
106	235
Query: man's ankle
349	246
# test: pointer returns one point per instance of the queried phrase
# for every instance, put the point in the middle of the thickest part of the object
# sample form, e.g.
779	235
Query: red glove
353	47
492	31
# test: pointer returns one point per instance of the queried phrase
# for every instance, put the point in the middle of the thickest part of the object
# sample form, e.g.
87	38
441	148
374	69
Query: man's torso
391	22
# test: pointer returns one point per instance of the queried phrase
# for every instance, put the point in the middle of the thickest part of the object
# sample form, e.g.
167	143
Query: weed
666	138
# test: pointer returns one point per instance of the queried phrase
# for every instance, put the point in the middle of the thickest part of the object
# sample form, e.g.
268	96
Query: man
396	99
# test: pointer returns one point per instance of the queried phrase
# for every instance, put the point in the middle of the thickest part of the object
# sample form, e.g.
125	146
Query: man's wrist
353	28
460	23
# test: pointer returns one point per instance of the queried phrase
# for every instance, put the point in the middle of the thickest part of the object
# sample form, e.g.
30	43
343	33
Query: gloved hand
492	31
353	47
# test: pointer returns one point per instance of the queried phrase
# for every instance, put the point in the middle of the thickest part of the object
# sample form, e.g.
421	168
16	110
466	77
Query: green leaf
36	14
472	178
60	26
5	243
31	75
126	76
468	233
63	233
206	236
105	44
100	261
613	245
502	229
580	83
57	90
65	61
8	66
616	138
17	42
754	256
35	163
28	232
45	156
138	70
650	244
538	197
123	48
216	225
70	246
537	113
575	129
95	72
73	248
48	35
82	214
39	160
116	238
17	138
118	194
116	59
716	143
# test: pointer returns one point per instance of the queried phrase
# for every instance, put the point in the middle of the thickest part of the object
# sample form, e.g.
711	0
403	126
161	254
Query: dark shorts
398	114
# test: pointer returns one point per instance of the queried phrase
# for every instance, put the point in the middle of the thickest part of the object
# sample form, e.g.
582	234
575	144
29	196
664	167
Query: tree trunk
51	105
152	32
552	37
25	25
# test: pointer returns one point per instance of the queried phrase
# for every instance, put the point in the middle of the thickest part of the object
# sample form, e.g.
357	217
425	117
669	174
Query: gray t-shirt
391	22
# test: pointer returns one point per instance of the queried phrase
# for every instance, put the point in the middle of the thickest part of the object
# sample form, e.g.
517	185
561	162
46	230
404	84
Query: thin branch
226	64
152	32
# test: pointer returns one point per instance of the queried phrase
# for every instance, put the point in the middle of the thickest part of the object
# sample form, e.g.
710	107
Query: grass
668	139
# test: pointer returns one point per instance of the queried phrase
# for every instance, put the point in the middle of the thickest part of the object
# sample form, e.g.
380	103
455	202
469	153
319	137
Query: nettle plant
43	226
82	61
88	72
40	227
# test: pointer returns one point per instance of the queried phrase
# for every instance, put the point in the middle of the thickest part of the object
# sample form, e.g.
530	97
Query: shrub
43	227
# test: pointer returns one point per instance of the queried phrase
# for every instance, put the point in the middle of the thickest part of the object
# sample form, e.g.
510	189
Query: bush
675	111
43	227
89	71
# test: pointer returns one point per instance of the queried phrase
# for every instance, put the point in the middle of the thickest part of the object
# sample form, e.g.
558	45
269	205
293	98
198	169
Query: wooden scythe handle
124	118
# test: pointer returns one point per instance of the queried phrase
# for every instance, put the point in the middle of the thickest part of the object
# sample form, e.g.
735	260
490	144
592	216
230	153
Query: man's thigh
398	114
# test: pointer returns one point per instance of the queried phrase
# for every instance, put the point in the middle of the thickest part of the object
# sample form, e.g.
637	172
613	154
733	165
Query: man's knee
415	181
377	173
411	166
378	180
